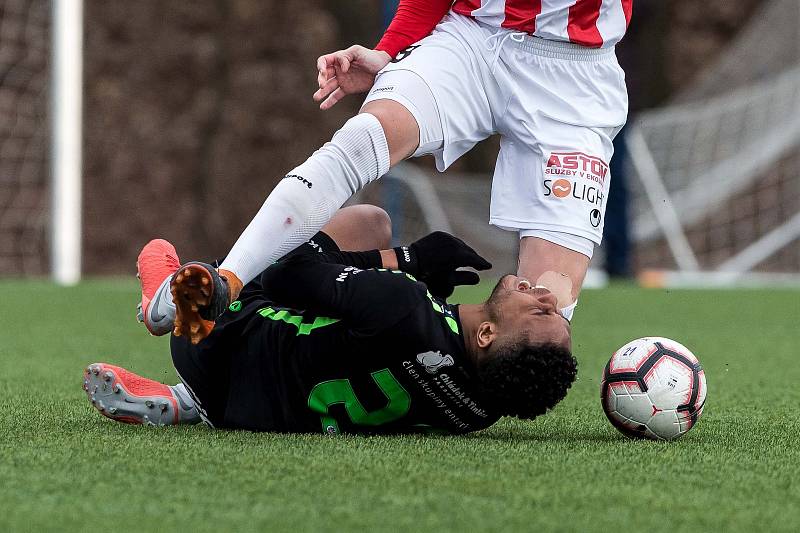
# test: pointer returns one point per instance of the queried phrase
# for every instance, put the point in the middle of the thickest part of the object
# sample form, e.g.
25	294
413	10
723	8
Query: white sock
569	310
308	197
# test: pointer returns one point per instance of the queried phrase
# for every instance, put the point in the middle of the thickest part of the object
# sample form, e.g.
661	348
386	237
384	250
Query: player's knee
381	223
379	234
399	126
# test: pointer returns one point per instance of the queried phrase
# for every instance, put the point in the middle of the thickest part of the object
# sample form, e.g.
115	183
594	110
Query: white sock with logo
308	197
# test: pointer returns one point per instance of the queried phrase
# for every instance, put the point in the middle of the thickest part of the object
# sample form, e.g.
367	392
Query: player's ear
486	334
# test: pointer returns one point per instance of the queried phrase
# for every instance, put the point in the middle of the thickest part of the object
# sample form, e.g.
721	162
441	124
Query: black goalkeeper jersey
323	342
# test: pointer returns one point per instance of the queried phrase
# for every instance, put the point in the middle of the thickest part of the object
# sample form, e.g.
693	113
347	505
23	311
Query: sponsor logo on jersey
576	175
434	361
301	179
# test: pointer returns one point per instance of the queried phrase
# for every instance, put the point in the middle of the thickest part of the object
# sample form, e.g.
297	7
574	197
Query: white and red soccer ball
653	387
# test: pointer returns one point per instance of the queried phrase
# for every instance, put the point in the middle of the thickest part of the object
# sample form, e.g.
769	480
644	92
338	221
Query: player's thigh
441	84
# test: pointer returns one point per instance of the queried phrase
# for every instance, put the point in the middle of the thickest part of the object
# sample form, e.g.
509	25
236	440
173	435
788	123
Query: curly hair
525	380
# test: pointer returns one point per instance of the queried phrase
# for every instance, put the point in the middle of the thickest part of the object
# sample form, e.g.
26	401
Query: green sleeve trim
451	323
303	328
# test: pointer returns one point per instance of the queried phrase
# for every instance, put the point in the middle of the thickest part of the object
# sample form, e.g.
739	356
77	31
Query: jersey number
340	391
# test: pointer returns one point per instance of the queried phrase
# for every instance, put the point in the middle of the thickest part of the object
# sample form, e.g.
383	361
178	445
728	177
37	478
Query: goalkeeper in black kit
359	342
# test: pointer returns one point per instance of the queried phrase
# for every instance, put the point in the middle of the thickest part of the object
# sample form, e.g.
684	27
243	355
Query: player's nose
546	297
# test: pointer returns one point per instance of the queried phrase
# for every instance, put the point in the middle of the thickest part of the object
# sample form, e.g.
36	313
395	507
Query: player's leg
552	177
310	194
553	193
557	209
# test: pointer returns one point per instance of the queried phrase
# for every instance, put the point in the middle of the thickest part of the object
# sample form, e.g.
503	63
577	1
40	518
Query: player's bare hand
349	71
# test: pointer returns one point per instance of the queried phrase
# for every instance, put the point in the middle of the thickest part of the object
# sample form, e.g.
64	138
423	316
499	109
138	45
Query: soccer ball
654	388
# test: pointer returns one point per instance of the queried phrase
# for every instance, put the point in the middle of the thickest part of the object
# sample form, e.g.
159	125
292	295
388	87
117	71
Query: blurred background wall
194	109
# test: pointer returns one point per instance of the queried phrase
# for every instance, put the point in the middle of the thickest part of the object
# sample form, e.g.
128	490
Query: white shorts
557	107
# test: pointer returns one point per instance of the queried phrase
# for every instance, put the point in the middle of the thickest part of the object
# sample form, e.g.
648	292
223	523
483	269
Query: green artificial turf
65	468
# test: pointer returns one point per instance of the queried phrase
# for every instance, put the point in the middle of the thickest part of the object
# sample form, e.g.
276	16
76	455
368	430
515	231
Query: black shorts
231	379
229	374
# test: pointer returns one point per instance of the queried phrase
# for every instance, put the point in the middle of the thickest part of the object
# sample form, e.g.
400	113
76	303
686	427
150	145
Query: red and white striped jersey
592	23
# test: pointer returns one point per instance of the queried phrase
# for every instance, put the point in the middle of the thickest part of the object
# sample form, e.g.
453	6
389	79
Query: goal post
66	104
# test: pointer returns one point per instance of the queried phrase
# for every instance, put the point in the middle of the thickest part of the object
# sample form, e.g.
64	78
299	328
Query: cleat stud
205	292
95	371
205	280
195	308
187	272
117	388
112	410
179	278
194	328
149	404
176	331
108	376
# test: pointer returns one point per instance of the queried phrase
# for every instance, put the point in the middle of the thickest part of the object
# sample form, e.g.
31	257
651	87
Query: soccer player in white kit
541	73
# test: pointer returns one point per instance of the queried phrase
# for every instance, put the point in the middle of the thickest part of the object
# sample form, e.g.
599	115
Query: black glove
435	259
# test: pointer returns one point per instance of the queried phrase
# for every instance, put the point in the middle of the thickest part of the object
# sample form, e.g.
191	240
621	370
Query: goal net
716	188
24	137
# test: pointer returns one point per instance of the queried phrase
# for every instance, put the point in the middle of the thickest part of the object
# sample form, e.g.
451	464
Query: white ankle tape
308	197
569	310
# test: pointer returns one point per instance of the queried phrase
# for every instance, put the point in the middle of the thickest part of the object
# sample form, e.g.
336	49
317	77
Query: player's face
518	307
